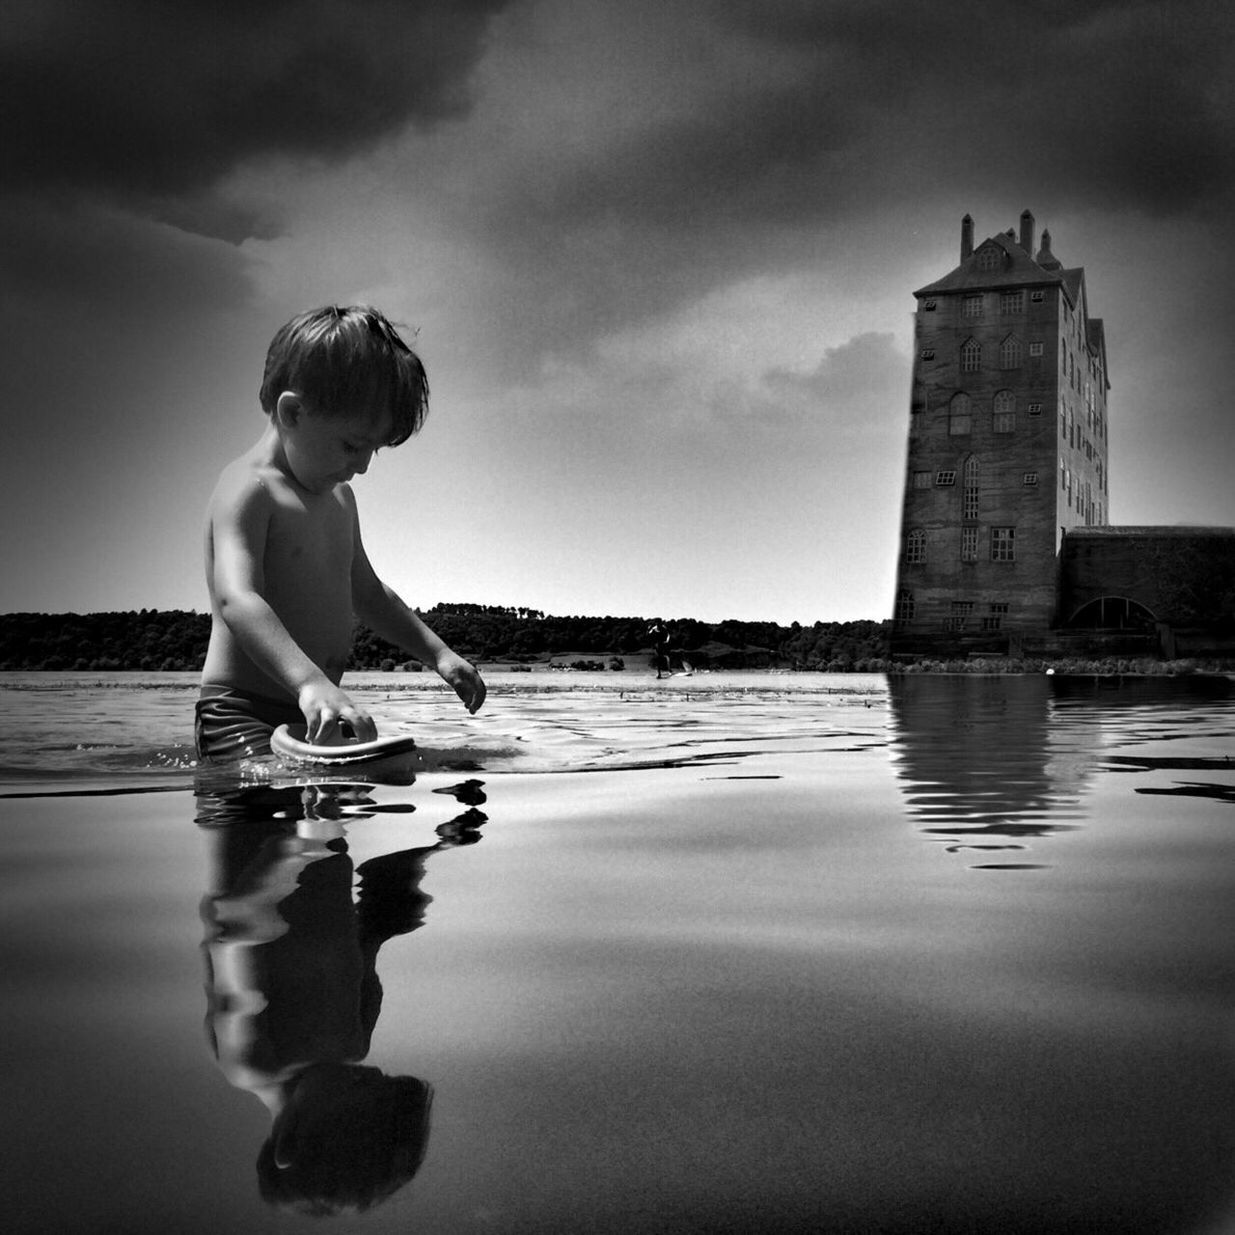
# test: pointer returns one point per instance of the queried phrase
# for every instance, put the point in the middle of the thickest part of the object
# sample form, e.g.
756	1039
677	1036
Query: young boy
285	564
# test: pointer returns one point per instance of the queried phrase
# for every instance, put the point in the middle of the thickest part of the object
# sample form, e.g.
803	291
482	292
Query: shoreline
543	679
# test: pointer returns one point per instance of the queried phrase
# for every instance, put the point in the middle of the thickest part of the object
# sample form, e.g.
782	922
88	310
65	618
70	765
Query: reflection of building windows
1012	302
971	356
1010	353
960	414
969	505
903	612
922	480
971	306
959	614
915	547
1003	544
969	544
945	479
1004	419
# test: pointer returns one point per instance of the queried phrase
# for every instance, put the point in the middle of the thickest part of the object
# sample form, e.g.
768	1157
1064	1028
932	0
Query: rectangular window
969	544
1004	422
929	306
1035	349
1029	478
959	614
1035	296
1012	302
928	353
969	505
944	479
971	306
995	615
922	480
1003	544
1035	409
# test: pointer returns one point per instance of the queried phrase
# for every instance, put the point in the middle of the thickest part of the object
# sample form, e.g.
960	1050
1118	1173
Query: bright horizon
658	258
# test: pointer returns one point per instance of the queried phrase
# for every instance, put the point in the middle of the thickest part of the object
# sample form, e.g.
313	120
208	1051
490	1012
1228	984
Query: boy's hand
462	676
324	705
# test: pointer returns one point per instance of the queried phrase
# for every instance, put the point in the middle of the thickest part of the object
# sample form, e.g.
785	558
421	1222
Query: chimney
1027	232
966	237
1045	258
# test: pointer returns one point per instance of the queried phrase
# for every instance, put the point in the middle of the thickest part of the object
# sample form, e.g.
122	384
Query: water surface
727	953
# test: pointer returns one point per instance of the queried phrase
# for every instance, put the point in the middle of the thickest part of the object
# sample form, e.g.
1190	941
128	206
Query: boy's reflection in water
292	989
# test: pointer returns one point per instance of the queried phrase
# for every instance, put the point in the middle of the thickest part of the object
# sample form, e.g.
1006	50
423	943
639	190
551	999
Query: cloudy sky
657	255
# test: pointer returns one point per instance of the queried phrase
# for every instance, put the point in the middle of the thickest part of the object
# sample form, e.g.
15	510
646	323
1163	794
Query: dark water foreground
928	955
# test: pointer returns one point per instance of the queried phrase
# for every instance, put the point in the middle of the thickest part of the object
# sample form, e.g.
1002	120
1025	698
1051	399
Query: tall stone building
1007	443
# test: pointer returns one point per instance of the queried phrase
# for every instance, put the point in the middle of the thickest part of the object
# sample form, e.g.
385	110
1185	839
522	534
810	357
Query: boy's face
325	450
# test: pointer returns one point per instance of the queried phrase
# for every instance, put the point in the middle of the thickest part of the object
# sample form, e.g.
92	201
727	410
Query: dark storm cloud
1125	105
829	115
136	99
1106	101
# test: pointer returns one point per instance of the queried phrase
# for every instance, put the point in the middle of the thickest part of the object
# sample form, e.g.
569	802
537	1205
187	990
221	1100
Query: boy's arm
382	610
239	520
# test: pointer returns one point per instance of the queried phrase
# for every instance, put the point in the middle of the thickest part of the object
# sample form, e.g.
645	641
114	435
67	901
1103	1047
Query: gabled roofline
1022	271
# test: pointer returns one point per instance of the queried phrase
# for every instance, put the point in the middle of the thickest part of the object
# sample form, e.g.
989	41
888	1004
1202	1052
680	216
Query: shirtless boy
285	563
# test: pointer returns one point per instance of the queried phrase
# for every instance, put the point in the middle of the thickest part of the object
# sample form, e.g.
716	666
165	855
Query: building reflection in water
293	931
981	770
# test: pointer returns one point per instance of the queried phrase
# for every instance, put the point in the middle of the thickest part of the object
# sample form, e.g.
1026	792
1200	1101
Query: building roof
1019	270
1168	530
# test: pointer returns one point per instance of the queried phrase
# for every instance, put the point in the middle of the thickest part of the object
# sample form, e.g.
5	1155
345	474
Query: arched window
990	257
960	414
1010	353
1004	419
969	497
915	547
1113	613
971	356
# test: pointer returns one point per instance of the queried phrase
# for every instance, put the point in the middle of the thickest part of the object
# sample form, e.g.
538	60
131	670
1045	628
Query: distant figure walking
659	635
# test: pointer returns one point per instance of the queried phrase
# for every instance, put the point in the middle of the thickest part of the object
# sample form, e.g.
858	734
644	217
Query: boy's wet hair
343	361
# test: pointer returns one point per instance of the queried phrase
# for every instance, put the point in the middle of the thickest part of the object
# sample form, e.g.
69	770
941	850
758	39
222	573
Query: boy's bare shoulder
247	484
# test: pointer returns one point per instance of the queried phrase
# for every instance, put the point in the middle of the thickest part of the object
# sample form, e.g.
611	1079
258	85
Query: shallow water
724	953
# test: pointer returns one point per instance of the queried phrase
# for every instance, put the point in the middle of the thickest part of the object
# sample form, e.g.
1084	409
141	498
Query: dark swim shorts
234	724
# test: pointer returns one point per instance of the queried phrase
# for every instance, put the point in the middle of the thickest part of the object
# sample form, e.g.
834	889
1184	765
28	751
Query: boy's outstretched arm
381	609
238	533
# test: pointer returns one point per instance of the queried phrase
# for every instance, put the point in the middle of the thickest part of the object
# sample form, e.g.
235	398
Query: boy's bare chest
314	537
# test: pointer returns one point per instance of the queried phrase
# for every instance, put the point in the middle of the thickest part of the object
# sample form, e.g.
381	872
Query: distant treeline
165	640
